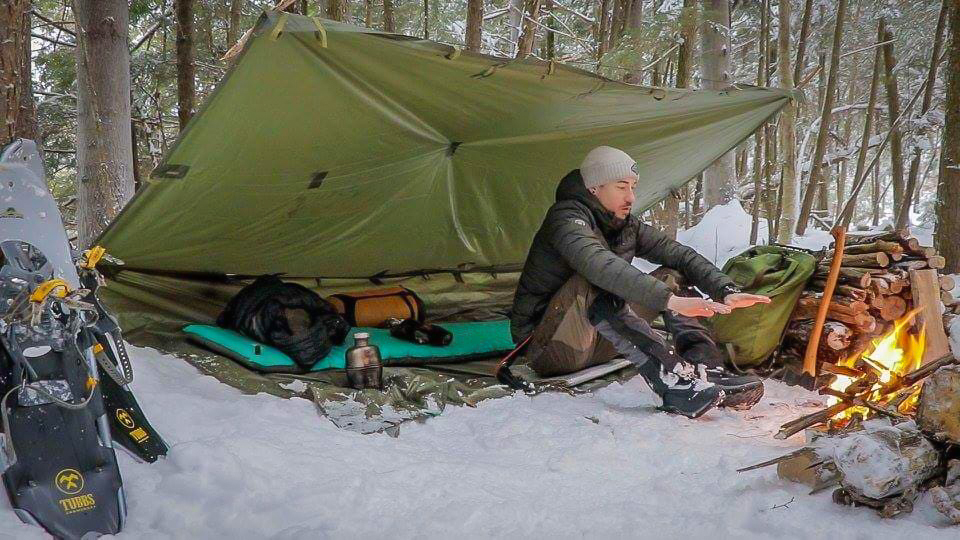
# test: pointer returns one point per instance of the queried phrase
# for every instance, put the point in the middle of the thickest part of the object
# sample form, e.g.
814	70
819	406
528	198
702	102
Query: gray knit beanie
606	164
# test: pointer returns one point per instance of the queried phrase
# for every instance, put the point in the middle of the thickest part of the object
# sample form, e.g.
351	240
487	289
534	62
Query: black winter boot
741	391
682	390
697	347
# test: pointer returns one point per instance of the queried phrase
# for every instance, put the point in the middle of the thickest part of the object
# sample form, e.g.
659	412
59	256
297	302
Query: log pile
874	290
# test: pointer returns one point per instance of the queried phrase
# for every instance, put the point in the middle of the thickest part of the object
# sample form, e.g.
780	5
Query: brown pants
565	341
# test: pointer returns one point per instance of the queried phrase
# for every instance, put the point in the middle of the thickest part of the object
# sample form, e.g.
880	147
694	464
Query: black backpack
287	316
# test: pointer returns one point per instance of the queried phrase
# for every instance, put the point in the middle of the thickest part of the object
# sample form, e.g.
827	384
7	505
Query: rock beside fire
883	461
947	498
938	413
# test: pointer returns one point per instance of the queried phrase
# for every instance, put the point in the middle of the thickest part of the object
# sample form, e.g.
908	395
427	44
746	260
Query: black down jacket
287	316
580	236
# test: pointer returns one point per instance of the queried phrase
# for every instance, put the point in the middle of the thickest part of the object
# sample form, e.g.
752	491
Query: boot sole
698	413
742	398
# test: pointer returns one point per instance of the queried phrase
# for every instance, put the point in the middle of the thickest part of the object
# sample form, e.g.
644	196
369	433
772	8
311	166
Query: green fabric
320	160
773	271
470	340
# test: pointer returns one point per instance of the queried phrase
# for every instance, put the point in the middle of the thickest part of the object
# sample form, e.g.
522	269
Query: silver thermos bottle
364	369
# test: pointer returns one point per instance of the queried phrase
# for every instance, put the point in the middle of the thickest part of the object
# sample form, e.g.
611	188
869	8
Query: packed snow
600	465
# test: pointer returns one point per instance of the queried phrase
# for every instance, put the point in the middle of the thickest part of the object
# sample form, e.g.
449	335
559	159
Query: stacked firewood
873	290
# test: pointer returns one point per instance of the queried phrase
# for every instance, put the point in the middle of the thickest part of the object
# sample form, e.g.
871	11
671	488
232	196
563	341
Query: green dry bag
774	271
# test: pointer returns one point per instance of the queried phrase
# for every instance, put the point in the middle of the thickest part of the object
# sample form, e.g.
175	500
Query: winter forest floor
600	465
604	465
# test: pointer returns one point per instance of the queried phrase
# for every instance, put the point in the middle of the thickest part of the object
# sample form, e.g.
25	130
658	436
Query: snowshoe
57	458
128	424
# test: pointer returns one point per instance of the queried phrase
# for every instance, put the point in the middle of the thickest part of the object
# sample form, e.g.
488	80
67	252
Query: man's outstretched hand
742	300
697	307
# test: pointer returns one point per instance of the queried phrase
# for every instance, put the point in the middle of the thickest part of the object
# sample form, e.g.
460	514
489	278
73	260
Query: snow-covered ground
603	465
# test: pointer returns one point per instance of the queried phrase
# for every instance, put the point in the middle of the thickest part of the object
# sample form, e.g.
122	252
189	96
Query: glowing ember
890	356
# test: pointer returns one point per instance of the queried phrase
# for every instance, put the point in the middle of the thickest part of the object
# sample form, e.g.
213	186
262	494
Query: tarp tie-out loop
489	71
278	28
454	54
321	33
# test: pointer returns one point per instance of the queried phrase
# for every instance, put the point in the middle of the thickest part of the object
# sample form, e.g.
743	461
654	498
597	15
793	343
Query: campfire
886	360
891	427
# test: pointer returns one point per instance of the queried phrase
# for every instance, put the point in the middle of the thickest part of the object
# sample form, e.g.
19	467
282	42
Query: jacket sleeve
656	247
571	235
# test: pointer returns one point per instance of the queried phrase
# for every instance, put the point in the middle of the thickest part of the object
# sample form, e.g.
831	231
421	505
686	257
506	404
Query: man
576	292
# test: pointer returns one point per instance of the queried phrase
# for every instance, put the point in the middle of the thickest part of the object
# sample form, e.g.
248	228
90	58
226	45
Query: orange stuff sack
373	308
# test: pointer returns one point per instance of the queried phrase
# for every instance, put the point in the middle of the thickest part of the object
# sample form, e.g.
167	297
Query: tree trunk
26	127
233	28
532	13
903	215
719	181
815	164
635	15
893	112
788	131
337	10
389	25
13	41
603	28
368	13
515	22
867	132
104	153
758	159
551	41
617	23
426	19
185	66
474	24
948	190
802	42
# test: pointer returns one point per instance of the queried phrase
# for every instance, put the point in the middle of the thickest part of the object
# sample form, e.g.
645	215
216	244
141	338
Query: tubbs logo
125	419
69	481
72	505
635	169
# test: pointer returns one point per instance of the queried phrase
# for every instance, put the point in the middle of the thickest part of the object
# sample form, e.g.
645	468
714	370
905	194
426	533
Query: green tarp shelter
336	155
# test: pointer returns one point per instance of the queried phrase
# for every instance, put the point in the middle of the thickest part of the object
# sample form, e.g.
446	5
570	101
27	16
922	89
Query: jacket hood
571	188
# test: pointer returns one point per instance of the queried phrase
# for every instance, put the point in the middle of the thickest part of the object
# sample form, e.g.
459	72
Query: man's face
617	196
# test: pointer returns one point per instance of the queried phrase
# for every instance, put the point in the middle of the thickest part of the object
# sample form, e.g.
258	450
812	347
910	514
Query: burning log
938	411
894	385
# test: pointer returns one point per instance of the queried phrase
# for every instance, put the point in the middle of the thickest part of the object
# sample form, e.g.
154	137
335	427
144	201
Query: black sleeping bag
287	316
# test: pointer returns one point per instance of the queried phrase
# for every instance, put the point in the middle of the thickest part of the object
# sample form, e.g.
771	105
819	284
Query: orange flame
892	355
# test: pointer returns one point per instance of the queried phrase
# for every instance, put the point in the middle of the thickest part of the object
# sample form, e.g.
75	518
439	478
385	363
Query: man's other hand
742	300
696	307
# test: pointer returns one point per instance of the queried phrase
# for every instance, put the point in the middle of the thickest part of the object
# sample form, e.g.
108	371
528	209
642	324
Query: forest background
873	139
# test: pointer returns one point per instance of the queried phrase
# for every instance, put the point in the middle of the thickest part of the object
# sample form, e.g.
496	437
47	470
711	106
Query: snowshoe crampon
57	457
